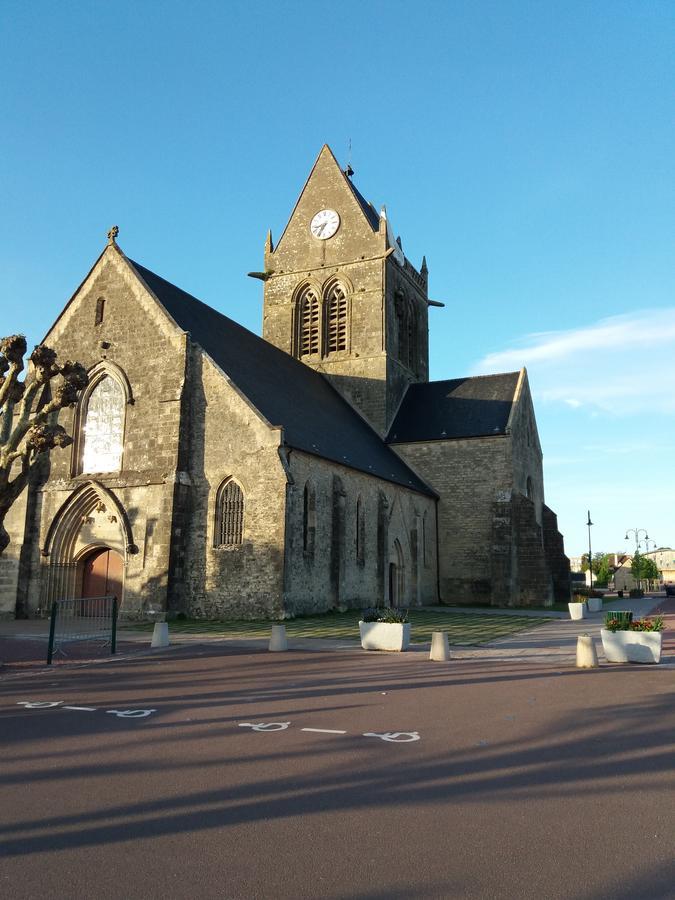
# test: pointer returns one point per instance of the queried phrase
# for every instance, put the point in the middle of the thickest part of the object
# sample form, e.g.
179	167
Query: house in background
664	557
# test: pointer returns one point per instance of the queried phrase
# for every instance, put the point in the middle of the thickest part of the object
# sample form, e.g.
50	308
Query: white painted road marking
395	737
120	713
39	704
262	726
324	730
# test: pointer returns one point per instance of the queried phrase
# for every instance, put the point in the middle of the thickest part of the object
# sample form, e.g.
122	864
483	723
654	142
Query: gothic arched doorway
102	574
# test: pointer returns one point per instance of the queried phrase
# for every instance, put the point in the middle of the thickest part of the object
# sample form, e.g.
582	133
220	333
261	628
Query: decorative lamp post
647	542
637	532
590	555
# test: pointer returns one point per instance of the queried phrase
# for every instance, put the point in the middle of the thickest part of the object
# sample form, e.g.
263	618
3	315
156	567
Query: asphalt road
526	781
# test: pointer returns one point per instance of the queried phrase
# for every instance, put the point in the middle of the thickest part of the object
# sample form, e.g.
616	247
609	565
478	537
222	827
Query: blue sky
526	148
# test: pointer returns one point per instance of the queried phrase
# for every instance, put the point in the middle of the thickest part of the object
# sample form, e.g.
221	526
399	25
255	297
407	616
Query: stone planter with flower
627	640
385	629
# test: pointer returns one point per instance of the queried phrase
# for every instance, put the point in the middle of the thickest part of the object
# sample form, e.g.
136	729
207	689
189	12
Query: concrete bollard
440	648
587	658
278	640
160	635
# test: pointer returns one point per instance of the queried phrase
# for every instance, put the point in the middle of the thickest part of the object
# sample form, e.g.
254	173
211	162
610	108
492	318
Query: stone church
217	473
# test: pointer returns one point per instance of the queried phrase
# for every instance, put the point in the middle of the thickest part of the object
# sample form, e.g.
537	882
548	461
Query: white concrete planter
384	635
594	604
577	610
631	646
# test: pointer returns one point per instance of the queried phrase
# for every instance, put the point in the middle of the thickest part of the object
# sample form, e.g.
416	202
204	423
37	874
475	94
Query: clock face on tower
324	224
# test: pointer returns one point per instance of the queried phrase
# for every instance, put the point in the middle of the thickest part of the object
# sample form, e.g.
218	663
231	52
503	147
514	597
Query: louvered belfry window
229	515
336	318
308	322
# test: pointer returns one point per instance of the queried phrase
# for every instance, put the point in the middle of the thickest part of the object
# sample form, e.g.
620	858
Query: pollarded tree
28	412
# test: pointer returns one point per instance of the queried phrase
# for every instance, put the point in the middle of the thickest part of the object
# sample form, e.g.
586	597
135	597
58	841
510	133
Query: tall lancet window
308	319
335	305
229	515
103	430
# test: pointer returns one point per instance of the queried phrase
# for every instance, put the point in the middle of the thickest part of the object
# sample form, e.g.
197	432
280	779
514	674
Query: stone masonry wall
228	439
329	574
10	559
467	475
525	448
557	561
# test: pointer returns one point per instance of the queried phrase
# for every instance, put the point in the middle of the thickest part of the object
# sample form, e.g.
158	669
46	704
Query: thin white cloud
622	364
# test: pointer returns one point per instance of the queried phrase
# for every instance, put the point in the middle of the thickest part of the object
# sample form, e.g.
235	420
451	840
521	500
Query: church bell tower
342	298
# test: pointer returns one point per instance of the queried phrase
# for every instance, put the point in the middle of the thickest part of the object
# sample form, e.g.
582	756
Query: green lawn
462	628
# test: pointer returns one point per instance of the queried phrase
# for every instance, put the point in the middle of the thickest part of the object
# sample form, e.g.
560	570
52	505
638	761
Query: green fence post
113	640
52	629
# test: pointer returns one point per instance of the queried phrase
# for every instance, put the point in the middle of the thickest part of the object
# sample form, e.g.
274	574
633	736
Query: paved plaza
218	769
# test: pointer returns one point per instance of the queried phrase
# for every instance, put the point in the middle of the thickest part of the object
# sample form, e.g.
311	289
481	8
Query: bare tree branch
28	433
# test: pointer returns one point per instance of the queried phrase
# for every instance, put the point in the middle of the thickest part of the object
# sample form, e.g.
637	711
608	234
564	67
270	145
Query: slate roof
458	408
370	213
314	416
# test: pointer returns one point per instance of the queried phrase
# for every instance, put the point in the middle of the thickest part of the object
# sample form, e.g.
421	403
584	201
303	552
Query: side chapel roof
454	409
314	416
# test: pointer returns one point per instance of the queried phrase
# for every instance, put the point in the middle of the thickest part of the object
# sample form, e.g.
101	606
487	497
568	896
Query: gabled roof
368	210
371	215
314	416
454	409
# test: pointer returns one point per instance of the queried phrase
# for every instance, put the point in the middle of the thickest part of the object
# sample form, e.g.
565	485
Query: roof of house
454	409
314	416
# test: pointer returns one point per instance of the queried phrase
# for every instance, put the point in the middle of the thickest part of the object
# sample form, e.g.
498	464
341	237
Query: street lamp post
590	555
637	532
647	542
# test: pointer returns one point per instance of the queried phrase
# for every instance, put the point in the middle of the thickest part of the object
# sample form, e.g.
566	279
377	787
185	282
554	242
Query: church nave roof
454	409
314	416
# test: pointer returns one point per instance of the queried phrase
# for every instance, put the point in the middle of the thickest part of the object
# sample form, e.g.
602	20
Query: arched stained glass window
335	303
308	307
103	430
229	515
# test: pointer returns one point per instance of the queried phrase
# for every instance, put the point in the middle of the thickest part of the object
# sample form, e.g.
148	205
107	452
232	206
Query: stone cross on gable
112	234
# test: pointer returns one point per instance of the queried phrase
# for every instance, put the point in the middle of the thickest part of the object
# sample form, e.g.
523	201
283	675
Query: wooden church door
102	574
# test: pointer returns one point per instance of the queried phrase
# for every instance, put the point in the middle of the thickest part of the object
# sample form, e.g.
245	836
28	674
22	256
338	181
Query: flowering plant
655	624
616	622
387	614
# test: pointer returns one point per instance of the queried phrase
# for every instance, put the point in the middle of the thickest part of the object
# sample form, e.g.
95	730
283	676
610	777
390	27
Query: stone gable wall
150	351
526	450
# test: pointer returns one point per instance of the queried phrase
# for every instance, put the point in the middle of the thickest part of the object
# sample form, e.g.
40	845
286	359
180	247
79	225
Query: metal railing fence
82	619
